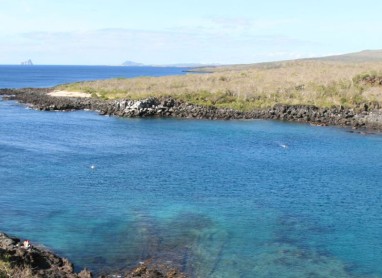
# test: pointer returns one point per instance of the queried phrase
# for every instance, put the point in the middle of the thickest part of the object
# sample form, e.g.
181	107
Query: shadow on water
198	244
191	242
305	234
201	247
173	241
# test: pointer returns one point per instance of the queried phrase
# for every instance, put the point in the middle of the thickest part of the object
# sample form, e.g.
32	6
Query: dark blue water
49	76
217	198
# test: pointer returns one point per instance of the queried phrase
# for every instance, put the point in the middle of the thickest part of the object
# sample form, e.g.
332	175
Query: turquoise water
216	198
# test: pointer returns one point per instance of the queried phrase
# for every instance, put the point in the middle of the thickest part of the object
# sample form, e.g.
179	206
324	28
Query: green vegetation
245	87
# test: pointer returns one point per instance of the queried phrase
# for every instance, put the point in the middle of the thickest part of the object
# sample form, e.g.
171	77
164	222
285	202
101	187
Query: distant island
131	64
27	63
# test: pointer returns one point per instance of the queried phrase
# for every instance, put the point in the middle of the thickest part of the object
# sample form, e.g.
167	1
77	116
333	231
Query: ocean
15	76
240	198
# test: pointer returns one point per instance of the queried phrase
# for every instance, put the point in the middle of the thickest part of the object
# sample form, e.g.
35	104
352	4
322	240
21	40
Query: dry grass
7	271
320	83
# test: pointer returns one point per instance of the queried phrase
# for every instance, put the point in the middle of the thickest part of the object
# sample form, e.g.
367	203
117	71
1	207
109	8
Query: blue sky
108	32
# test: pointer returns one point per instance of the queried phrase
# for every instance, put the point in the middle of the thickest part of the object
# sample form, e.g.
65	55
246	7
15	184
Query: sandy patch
68	94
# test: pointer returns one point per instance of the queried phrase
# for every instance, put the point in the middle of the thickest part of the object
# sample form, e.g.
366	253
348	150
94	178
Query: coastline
364	119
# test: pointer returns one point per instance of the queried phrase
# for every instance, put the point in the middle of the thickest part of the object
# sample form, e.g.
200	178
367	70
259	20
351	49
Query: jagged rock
34	261
38	262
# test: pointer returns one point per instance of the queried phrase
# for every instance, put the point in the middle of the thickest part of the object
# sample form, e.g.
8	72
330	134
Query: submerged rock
155	270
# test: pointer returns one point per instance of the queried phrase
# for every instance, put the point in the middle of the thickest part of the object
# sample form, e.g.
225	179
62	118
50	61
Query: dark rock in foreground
367	116
17	261
148	270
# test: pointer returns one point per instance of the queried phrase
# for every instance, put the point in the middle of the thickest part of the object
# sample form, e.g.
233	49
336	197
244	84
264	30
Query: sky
109	32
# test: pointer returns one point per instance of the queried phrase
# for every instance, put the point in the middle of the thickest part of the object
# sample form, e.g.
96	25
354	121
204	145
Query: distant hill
131	64
356	57
365	56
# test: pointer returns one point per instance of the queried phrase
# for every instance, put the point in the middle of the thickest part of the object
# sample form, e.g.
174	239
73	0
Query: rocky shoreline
19	261
367	116
16	260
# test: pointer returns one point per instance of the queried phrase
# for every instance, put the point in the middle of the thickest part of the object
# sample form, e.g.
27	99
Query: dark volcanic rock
34	261
367	115
38	262
40	100
157	270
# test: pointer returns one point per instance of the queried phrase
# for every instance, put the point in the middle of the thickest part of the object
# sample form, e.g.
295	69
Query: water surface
13	76
217	198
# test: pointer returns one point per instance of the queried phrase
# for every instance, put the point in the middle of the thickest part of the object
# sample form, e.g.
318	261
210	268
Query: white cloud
248	23
26	6
114	45
234	26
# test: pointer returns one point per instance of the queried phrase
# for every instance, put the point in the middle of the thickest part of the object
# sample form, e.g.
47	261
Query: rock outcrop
367	115
16	260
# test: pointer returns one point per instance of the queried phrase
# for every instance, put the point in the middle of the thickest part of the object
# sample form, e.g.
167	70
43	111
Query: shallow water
217	198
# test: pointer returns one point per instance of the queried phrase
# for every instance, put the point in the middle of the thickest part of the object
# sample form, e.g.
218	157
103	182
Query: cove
216	198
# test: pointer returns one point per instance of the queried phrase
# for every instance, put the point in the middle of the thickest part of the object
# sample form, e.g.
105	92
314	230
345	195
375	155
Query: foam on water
216	198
